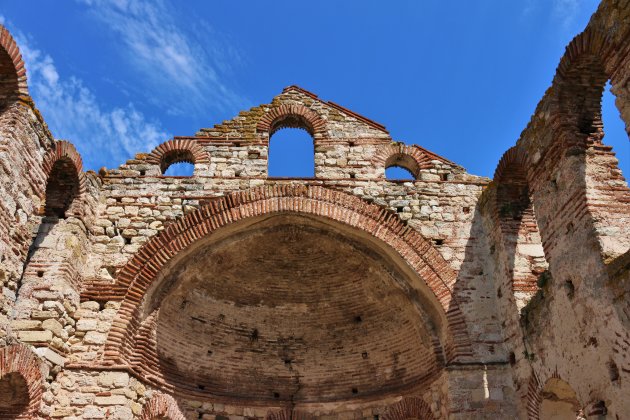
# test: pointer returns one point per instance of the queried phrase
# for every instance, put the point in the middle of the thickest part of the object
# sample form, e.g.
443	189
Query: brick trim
8	44
161	406
177	150
20	359
293	116
63	149
412	158
137	276
288	414
408	408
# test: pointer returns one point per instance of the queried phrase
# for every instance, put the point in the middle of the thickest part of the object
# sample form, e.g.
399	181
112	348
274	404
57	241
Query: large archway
287	294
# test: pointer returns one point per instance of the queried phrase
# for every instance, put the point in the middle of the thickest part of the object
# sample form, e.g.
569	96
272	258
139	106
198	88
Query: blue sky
460	78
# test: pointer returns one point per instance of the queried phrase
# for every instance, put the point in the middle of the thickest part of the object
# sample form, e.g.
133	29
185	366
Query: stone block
111	400
35	336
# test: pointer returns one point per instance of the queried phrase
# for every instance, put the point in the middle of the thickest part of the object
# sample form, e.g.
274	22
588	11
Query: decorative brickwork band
292	116
409	408
177	150
289	415
19	361
13	83
161	406
66	182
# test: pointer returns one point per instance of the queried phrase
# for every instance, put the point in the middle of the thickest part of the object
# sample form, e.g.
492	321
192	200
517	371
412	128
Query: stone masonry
232	295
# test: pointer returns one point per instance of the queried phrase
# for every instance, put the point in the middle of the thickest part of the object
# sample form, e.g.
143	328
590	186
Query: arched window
614	131
177	163
398	173
62	188
180	169
291	153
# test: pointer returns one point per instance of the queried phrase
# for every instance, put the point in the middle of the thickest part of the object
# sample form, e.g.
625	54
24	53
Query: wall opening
178	163
520	234
559	401
180	169
291	154
398	173
62	188
14	398
8	81
614	131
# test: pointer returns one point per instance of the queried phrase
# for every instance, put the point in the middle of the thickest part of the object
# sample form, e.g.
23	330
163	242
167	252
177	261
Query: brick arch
535	394
136	277
20	359
514	214
409	408
292	116
399	154
161	406
289	414
177	150
12	70
63	160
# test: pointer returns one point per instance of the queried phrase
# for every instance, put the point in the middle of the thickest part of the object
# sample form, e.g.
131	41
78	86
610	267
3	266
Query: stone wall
230	294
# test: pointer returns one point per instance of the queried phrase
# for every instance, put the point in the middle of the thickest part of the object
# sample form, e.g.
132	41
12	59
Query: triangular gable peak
295	107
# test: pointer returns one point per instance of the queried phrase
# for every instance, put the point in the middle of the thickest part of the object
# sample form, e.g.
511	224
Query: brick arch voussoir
316	123
199	155
513	157
63	149
20	359
136	277
422	160
591	43
289	414
161	406
409	408
8	44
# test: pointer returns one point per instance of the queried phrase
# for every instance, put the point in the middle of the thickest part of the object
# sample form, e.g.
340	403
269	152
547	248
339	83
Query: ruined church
232	295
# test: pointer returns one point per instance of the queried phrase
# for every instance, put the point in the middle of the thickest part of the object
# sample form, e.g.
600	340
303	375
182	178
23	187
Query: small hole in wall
444	177
209	352
143	173
127	241
287	362
352	176
466	210
358	319
355	391
253	336
438	242
512	358
613	371
499	293
364	355
570	288
276	395
376	417
201	387
400	209
40	274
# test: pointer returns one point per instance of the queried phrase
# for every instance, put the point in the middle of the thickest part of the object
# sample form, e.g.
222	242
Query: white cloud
180	68
104	137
